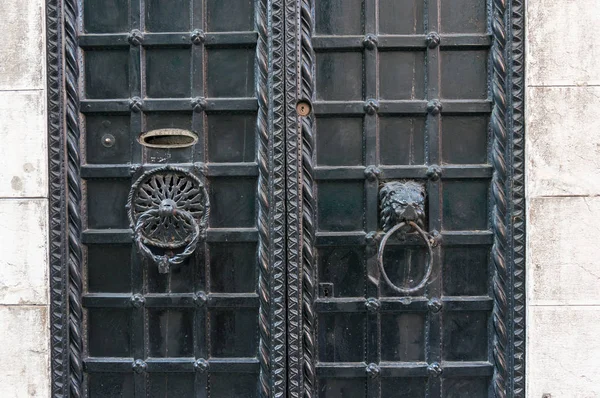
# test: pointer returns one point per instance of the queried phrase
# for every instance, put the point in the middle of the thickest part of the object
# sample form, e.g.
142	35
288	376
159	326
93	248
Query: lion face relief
401	201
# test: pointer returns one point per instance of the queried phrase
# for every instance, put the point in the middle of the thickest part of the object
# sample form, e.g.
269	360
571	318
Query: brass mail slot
168	138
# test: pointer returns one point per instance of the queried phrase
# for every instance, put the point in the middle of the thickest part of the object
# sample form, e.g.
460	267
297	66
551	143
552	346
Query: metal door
181	198
289	198
397	241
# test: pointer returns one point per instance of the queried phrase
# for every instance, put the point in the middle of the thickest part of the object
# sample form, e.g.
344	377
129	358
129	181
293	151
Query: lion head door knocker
168	212
402	210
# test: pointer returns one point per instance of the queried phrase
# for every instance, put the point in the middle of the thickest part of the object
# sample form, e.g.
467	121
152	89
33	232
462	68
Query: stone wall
563	176
24	335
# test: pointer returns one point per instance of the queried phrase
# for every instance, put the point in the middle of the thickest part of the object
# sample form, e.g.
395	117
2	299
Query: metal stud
372	173
371	107
201	365
373	370
108	140
434	172
137	300
197	36
135	37
199	104
373	305
433	40
139	366
370	42
435	369
435	305
136	104
434	107
200	299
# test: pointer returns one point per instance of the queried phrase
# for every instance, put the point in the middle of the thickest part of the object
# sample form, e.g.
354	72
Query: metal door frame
288	160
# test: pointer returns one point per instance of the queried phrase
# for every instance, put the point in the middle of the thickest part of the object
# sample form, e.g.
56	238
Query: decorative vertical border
294	293
277	224
73	182
270	91
516	21
264	196
64	199
300	200
500	201
59	351
307	201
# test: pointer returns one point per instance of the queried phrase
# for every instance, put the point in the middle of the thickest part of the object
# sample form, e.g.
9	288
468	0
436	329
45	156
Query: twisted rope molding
74	253
262	130
308	200
58	310
499	199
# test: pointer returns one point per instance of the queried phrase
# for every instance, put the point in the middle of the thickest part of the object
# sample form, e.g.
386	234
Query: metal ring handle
425	238
164	261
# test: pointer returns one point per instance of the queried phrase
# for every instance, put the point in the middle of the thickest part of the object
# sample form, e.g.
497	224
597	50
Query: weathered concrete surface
563	245
564	355
563	186
563	49
23	267
24	332
24	351
21	54
563	144
23	158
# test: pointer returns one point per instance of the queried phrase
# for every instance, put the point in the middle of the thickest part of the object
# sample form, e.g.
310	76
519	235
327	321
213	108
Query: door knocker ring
402	209
168	212
427	274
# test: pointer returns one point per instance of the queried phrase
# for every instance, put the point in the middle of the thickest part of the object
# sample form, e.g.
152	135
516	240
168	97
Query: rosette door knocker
168	212
402	211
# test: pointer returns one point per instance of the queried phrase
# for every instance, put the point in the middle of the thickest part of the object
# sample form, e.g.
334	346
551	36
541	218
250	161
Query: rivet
303	108
135	37
373	370
200	299
136	104
371	107
370	42
201	365
434	369
108	140
372	305
435	305
434	172
434	107
433	40
372	173
198	104
197	36
139	366
137	300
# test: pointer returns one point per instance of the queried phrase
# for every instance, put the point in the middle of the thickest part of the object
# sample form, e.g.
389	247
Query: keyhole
326	290
303	108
